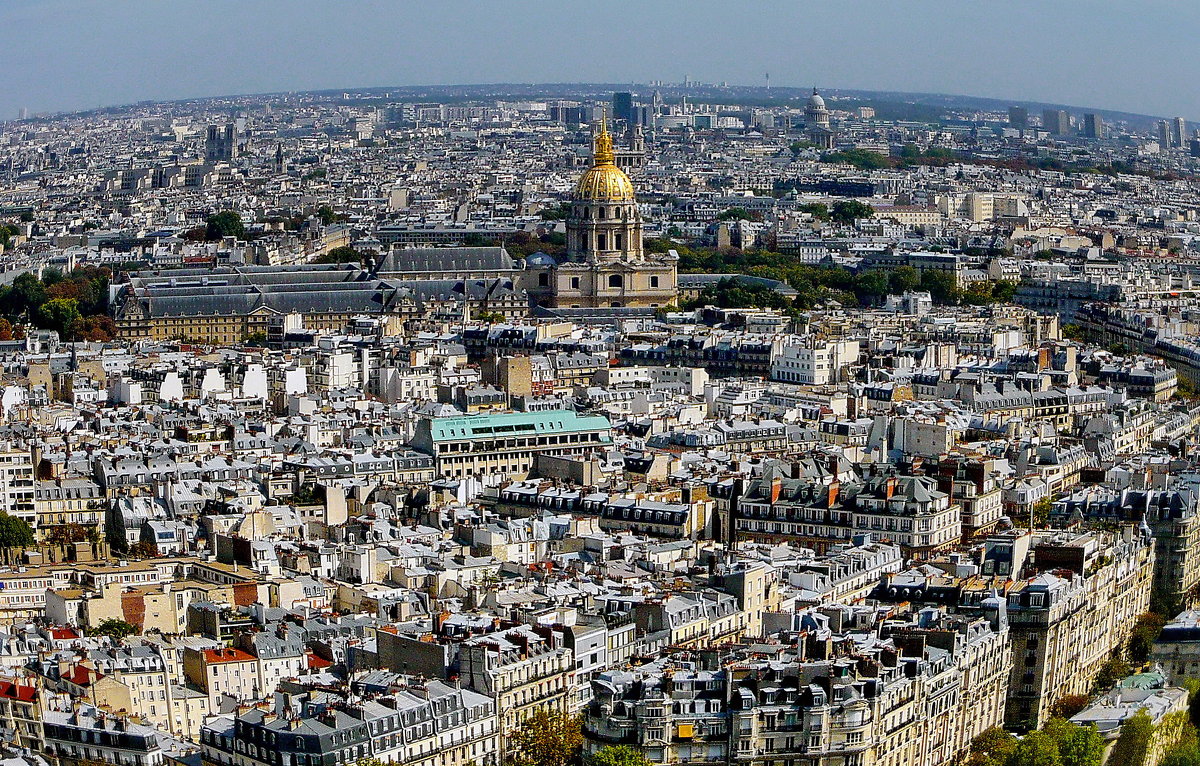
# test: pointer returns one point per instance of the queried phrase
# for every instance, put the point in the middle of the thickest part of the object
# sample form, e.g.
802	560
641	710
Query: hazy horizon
64	55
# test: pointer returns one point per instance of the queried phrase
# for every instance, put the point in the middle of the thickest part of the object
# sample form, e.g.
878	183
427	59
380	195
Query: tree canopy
15	532
227	223
114	627
546	738
617	755
850	210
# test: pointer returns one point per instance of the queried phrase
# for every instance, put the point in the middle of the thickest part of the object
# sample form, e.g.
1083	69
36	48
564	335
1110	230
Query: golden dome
604	181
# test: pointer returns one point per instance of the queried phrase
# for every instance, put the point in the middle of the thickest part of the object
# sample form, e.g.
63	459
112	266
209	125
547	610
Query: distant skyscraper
1018	117
1178	131
221	144
622	106
1056	121
1164	135
1093	126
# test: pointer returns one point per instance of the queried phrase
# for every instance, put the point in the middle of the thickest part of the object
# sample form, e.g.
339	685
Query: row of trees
1059	743
816	284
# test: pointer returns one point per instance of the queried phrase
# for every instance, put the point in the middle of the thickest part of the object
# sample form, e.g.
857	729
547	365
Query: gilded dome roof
604	181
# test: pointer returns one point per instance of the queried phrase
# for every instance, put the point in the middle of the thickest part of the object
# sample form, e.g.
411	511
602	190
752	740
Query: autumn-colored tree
98	328
6	330
546	738
992	748
143	550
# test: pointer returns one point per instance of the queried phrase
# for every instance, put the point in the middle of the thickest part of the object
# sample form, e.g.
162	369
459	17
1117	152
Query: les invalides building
605	265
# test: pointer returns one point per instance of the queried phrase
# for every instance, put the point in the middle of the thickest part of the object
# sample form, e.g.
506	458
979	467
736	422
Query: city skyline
82	55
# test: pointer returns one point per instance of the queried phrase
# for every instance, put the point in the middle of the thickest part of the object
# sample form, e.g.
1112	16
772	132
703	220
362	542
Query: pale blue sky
71	54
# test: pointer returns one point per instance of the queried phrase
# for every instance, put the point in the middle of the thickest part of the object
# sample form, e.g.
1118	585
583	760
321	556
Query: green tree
1036	749
1145	633
557	213
326	214
1134	741
114	627
617	755
1077	745
546	738
1111	671
818	210
848	211
1193	689
59	314
872	284
227	223
903	279
25	295
991	748
738	214
941	286
860	158
1004	290
14	532
1182	755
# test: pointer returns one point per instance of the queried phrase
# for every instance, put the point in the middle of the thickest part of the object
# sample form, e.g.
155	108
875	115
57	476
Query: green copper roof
514	424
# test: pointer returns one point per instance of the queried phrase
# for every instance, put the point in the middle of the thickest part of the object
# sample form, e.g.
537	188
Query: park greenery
75	304
816	284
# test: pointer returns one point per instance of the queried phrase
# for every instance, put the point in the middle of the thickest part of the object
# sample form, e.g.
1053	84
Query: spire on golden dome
604	181
602	150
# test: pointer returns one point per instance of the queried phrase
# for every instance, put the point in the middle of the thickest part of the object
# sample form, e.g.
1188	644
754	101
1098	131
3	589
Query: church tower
605	265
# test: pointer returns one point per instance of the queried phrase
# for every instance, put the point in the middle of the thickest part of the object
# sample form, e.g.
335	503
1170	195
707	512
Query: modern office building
1056	121
1018	117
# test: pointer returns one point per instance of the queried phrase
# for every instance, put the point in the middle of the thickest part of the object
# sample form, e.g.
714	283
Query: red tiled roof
214	656
17	692
317	663
82	676
63	633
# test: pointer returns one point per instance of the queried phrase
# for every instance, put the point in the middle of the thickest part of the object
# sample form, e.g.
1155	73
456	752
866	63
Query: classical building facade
605	265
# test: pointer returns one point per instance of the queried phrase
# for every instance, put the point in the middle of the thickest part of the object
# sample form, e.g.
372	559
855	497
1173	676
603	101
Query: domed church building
605	264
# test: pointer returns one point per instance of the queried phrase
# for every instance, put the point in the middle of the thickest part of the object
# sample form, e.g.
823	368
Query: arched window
616	280
600	213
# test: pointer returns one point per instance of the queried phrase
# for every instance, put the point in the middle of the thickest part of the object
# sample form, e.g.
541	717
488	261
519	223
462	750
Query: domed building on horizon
816	122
